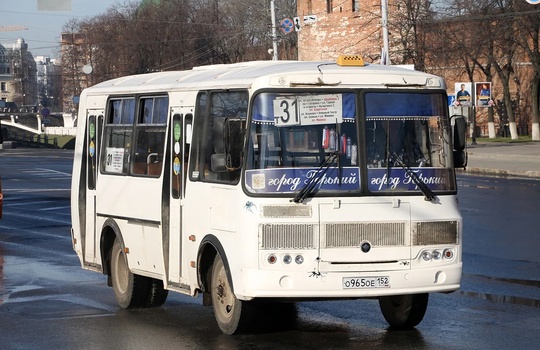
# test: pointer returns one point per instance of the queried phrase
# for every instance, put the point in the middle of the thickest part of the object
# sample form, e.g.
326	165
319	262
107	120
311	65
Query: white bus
263	183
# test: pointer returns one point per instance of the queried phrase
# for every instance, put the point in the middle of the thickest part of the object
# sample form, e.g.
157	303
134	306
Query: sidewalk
505	158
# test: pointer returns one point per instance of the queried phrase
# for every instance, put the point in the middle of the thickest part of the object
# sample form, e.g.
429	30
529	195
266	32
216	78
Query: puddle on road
28	288
505	299
523	282
480	187
52	309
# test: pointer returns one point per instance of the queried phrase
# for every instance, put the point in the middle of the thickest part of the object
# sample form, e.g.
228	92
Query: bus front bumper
254	283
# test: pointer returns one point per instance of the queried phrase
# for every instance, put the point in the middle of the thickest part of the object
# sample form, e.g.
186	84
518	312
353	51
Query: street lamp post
385	55
274	33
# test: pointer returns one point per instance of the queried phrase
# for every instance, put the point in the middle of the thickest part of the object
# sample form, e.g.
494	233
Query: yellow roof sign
350	60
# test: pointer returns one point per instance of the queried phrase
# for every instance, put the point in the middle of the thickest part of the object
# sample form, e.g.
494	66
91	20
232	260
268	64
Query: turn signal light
272	259
448	254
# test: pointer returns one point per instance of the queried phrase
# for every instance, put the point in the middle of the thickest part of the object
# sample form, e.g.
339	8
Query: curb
499	172
500	155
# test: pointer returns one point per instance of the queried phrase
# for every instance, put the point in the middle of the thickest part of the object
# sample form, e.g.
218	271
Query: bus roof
273	74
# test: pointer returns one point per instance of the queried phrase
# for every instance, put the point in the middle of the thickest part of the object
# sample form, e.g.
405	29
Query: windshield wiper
310	186
428	193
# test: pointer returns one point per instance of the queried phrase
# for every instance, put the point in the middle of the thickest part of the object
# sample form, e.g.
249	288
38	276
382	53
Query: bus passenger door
94	128
180	140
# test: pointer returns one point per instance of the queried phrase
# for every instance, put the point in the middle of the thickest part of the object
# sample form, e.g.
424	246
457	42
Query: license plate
366	282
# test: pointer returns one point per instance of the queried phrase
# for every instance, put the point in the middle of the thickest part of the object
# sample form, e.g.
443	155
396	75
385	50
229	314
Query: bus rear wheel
232	315
130	290
157	295
404	311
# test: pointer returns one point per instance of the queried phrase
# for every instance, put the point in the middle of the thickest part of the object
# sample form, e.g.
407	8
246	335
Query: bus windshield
324	142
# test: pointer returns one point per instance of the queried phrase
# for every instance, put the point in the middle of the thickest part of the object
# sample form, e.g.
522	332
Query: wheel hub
220	291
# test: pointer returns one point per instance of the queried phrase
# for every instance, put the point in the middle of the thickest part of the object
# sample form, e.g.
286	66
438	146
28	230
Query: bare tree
528	38
481	35
505	53
410	24
133	37
288	43
73	59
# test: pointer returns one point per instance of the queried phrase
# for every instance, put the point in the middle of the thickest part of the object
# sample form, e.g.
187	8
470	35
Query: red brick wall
342	31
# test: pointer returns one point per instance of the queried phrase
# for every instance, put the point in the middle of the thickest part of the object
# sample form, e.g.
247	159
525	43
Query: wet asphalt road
48	302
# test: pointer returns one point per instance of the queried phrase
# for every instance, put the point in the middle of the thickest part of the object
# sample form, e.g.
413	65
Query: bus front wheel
232	315
131	290
404	311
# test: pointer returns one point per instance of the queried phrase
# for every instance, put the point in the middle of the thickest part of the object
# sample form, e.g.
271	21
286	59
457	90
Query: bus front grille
346	235
436	232
287	236
341	235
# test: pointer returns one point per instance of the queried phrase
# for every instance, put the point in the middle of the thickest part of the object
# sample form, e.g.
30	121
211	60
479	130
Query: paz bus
260	184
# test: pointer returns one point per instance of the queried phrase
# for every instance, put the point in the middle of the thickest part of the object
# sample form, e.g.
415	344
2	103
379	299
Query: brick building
333	27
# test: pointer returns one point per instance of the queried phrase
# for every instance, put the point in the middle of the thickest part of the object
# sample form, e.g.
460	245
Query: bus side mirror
234	136
218	162
228	144
459	134
1	135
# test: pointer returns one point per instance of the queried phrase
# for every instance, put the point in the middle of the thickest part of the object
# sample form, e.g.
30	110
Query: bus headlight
287	259
426	256
299	259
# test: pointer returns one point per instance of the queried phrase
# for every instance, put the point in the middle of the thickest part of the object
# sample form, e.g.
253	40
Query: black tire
404	311
157	295
232	315
131	290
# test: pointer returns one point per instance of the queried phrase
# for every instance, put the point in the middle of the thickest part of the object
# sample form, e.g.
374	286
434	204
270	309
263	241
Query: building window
3	87
329	6
356	5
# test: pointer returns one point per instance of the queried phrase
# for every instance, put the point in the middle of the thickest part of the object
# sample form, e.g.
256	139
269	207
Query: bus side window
150	136
225	107
118	136
196	165
181	136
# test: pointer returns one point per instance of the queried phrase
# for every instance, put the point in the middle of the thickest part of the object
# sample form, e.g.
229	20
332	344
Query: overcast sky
44	20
